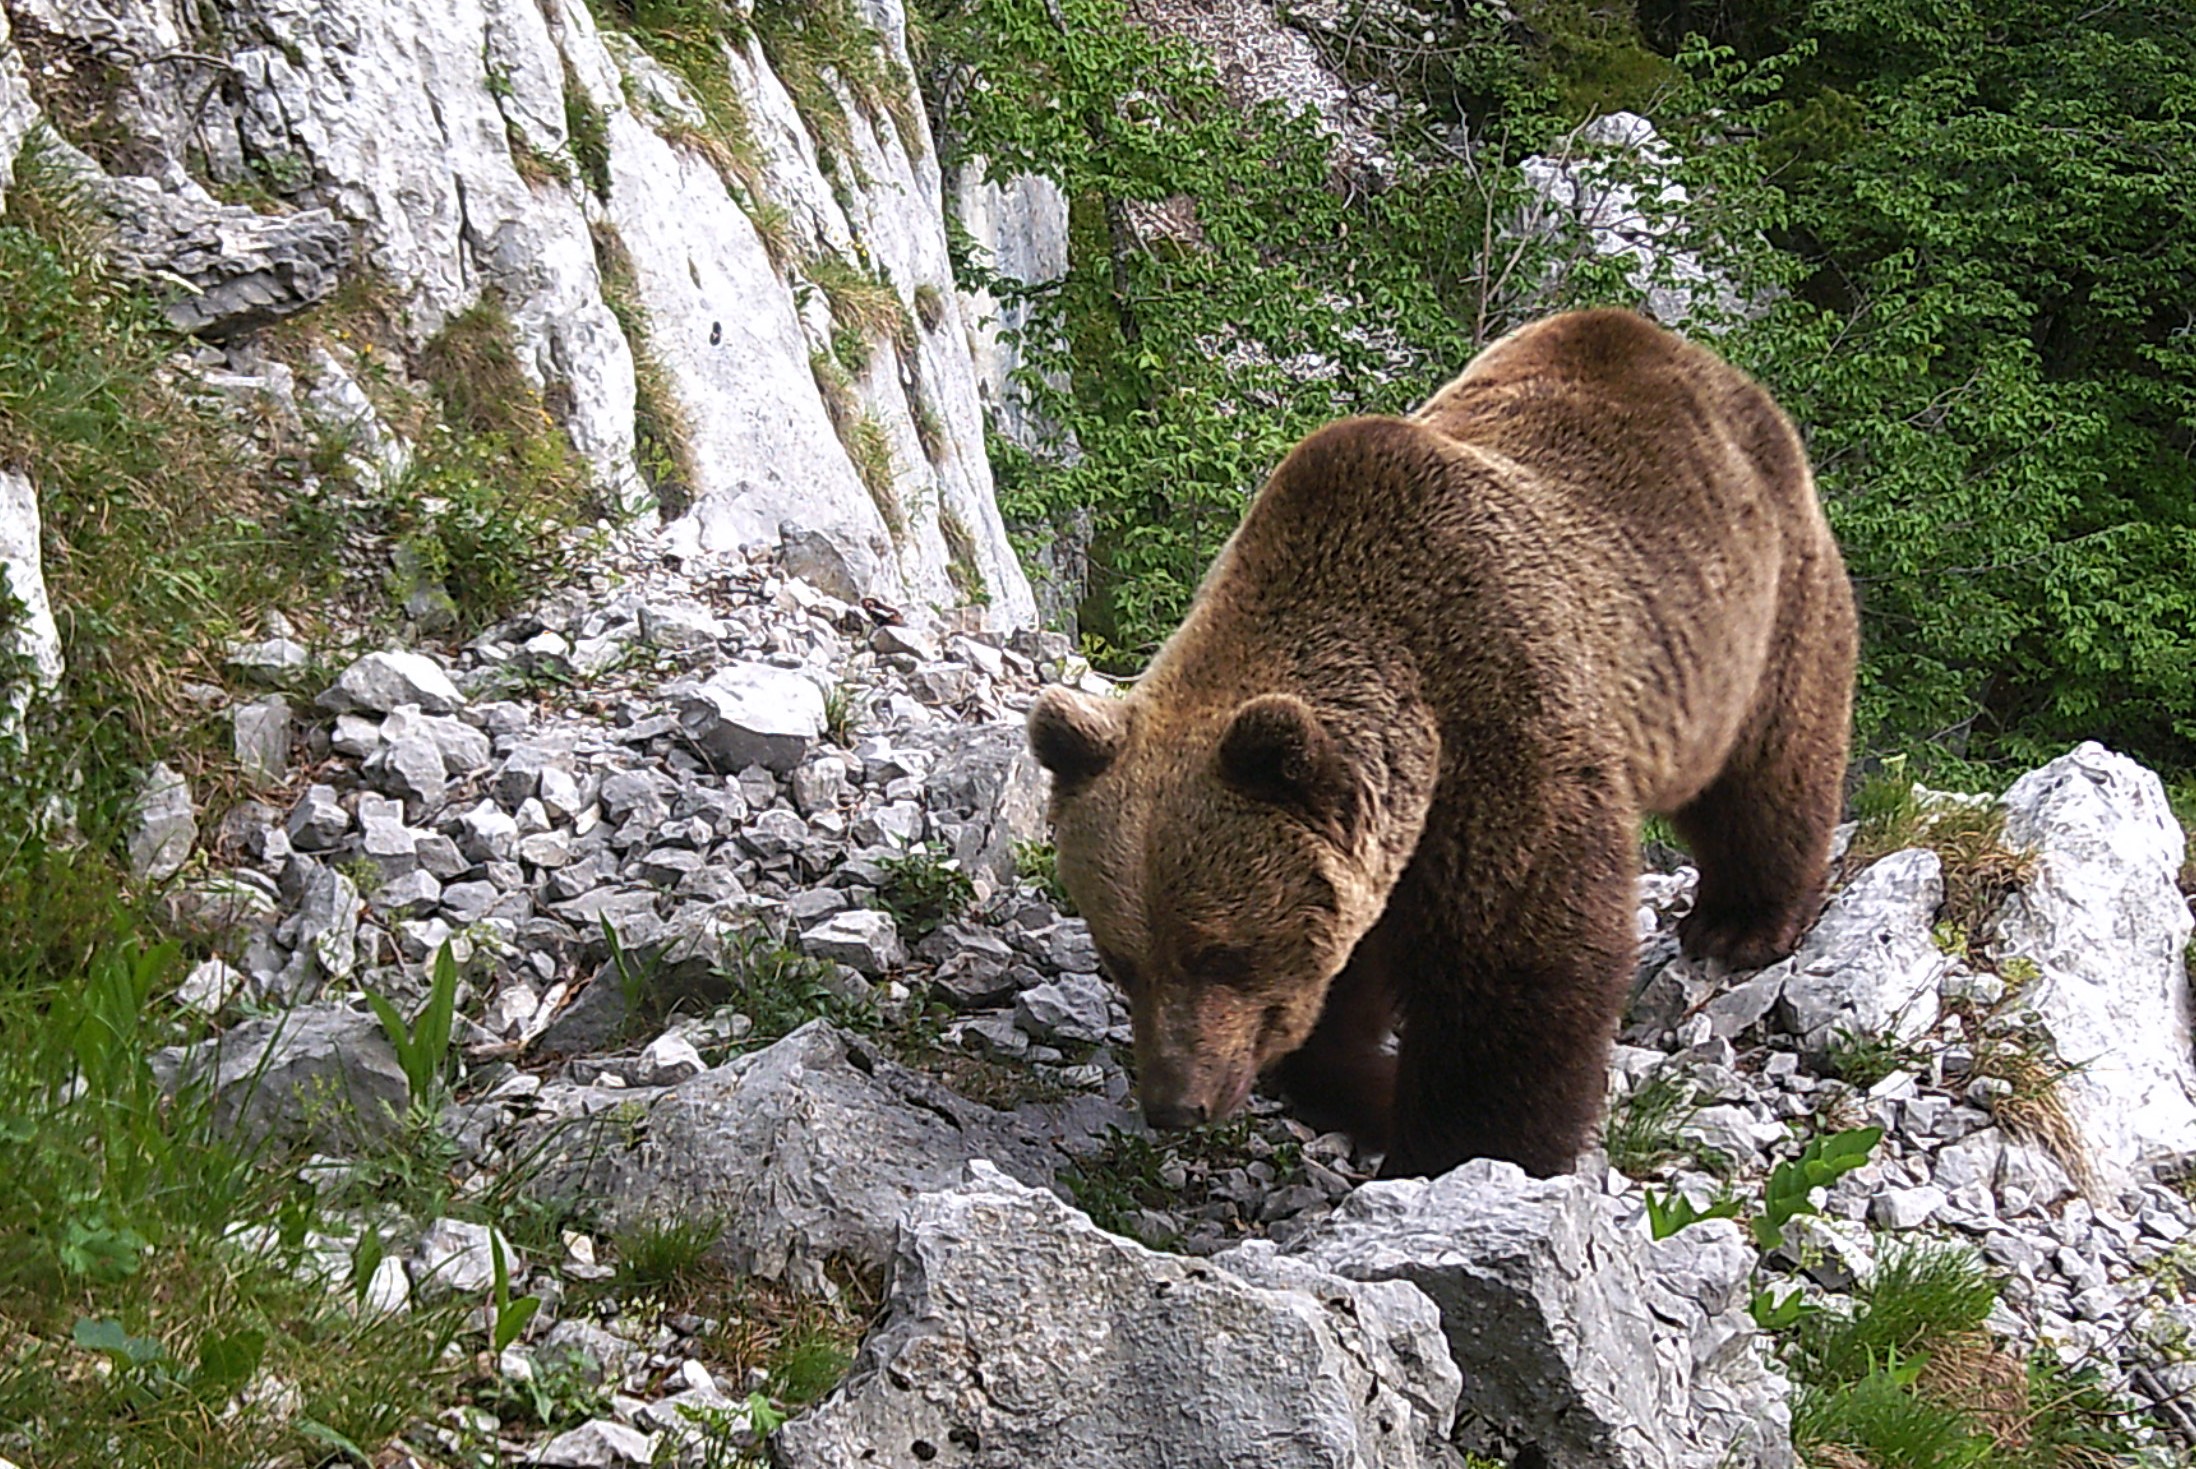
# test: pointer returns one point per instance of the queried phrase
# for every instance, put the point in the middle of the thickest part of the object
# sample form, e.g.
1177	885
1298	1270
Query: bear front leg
1343	1078
1506	1033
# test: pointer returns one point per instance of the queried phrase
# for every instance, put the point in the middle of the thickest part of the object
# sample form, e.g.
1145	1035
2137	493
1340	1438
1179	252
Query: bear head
1227	862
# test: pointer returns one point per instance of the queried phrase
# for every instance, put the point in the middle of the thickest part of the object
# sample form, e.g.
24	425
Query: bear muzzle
1206	1095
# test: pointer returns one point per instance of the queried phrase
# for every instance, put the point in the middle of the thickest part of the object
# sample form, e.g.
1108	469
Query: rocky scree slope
737	232
719	966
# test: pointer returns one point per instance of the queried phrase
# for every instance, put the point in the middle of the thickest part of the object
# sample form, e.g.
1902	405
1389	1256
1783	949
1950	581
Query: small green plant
1864	1060
819	48
663	435
485	503
560	1388
1667	1213
423	1046
929	306
773	224
871	452
839	709
587	134
512	1313
1038	863
1641	1132
923	888
962	565
1822	1162
780	989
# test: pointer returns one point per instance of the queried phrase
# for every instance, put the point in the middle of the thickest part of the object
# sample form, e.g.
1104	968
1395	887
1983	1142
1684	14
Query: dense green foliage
1965	232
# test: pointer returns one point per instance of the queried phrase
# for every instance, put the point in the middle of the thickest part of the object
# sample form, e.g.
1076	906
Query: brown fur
1392	764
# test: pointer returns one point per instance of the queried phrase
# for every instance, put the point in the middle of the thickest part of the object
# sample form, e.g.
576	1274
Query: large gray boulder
2103	920
1573	1335
803	1152
1017	1333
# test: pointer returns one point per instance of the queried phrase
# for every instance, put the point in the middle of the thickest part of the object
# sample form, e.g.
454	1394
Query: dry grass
1973	1373
864	300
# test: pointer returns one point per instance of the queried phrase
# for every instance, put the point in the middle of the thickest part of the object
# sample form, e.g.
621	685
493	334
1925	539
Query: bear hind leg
1760	836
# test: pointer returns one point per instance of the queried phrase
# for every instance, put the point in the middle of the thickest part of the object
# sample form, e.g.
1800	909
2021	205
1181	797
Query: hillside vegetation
1961	236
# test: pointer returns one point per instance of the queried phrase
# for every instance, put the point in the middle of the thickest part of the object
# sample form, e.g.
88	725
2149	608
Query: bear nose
1173	1116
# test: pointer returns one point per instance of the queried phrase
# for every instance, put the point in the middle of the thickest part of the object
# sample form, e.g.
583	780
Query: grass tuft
864	301
1641	1132
1980	871
823	48
487	500
587	133
663	435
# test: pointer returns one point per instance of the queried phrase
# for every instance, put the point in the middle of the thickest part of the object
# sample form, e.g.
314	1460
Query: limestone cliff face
520	147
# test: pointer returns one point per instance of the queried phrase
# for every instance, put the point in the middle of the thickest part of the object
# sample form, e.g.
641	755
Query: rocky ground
745	896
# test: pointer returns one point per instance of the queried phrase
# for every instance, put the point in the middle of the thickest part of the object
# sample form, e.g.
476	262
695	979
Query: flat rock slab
803	1152
1016	1333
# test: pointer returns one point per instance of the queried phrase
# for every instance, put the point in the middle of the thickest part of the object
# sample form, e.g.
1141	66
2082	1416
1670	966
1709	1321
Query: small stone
412	893
1075	1008
412	769
910	641
318	821
546	848
355	735
819	785
775	834
381	681
456	1258
667	1061
262	737
863	938
270	661
208	987
680	626
166	828
487	833
1906	1208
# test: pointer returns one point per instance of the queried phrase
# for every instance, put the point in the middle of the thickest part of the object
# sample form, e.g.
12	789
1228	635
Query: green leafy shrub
923	888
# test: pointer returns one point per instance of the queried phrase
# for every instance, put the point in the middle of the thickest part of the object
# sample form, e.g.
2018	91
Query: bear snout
1205	1099
1173	1116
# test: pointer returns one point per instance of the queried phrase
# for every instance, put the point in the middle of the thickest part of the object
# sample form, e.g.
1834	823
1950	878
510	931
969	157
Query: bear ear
1276	749
1075	736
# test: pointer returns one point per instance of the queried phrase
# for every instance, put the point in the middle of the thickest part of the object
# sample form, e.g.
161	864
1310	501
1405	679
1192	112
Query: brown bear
1371	815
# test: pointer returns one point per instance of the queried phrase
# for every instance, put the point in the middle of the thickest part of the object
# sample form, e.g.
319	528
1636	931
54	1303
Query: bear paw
1742	939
